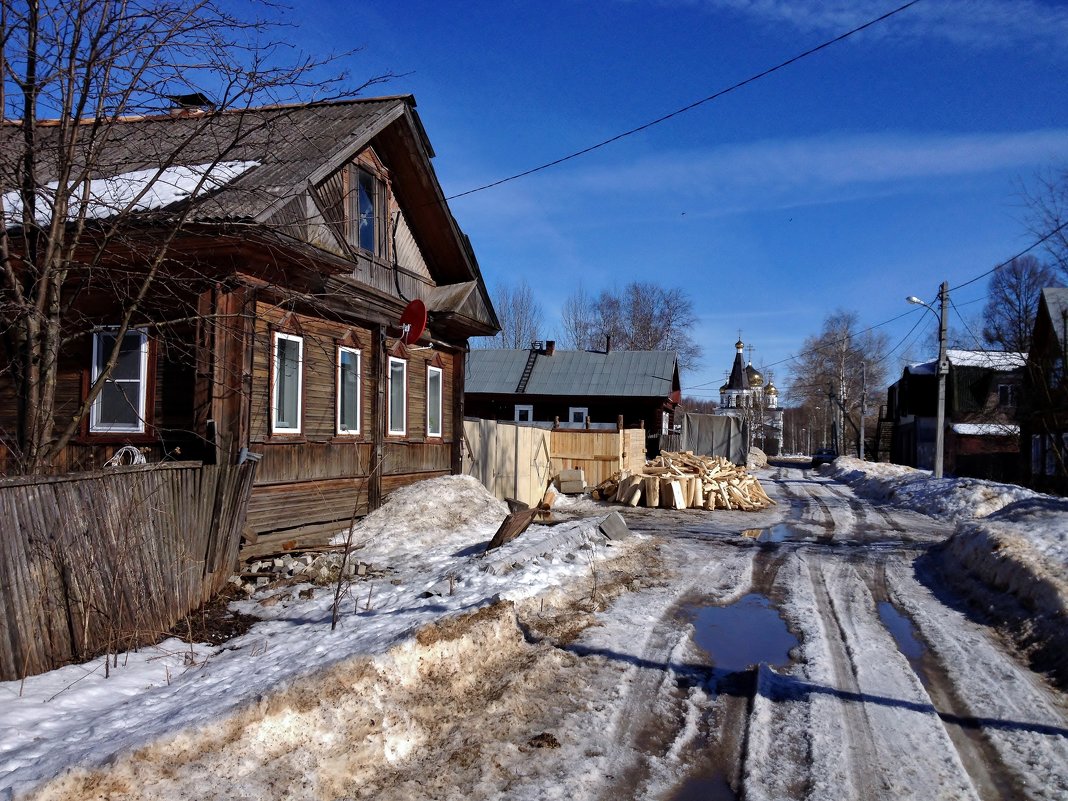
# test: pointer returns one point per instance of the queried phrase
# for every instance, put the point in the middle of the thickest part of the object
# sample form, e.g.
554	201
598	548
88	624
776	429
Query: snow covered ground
1011	539
429	540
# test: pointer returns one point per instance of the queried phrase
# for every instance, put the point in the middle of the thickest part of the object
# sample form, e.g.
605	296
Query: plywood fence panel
104	561
511	461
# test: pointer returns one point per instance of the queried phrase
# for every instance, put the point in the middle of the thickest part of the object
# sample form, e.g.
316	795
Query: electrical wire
691	106
1009	261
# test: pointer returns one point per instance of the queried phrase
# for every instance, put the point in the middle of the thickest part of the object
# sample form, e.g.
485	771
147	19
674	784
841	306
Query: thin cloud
783	170
974	23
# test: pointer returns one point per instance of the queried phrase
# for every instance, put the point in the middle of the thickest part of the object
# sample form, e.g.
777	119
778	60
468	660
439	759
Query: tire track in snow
1023	721
656	718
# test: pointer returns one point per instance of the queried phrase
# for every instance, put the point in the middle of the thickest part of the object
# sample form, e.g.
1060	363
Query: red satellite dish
413	322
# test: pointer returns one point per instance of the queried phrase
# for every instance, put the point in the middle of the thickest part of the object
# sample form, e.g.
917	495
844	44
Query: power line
691	106
1009	261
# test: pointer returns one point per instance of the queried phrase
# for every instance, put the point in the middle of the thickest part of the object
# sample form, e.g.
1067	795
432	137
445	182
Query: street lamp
943	370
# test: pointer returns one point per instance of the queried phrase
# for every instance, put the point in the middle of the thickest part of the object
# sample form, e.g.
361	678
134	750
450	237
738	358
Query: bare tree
833	366
1048	215
578	322
519	314
641	316
73	71
1012	303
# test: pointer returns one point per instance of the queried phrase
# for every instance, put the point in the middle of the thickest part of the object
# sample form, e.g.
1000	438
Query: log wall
105	561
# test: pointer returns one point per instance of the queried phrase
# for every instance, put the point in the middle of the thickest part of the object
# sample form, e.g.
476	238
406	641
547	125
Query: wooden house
1045	398
574	389
273	323
982	432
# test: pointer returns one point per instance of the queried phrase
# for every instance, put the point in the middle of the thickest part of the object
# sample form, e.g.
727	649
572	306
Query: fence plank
103	560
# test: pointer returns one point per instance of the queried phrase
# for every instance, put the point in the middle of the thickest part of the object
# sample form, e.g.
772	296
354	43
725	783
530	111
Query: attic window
367	211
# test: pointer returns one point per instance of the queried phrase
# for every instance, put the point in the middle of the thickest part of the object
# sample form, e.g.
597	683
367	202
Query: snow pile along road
292	688
1010	539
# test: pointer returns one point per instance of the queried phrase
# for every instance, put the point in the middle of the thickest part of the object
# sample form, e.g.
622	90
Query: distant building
1045	408
573	388
747	397
982	432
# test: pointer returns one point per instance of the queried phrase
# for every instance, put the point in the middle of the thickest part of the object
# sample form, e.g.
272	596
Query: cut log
651	488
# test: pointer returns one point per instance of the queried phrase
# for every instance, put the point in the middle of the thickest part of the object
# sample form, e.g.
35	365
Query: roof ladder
532	357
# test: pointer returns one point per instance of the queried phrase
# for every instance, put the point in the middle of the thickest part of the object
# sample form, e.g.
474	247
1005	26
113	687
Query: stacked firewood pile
686	481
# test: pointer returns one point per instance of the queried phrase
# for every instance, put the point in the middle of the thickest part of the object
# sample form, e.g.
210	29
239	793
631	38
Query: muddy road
814	652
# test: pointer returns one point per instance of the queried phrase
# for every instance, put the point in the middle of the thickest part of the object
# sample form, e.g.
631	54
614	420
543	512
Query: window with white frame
524	413
287	383
348	390
398	396
120	404
433	401
577	414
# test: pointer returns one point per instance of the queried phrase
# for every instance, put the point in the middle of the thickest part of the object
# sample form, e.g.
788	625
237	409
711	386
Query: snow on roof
986	429
999	360
992	359
140	190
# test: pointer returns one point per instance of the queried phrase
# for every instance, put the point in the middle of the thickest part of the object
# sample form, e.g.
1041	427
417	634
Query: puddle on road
736	637
742	634
908	642
705	788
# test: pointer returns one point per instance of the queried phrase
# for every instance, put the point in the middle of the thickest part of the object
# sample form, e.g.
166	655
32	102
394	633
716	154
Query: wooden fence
97	562
510	459
598	454
518	460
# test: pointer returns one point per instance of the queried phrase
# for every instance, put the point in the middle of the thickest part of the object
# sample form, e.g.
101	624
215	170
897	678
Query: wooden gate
100	562
510	459
518	461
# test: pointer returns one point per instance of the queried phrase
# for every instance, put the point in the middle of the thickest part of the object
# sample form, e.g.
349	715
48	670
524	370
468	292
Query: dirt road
862	676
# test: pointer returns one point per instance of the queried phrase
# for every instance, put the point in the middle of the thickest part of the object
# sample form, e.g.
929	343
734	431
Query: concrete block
614	527
572	487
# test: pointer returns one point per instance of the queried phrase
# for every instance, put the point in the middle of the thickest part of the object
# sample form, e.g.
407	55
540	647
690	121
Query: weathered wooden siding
108	560
309	485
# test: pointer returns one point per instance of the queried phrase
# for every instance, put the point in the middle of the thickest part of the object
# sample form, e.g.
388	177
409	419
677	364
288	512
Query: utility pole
943	371
863	401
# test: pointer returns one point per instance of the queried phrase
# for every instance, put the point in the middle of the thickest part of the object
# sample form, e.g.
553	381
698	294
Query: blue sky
872	170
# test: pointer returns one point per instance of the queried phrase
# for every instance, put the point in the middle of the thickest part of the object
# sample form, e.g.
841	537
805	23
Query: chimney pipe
550	347
608	343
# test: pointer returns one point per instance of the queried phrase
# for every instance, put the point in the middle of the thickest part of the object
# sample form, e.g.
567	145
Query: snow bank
909	488
1010	539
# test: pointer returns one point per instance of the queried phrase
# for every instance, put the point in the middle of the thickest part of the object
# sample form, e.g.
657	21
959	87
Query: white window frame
352	431
430	371
95	426
397	432
275	427
529	408
585	412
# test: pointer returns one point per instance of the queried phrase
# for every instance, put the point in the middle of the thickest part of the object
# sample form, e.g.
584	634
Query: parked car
824	456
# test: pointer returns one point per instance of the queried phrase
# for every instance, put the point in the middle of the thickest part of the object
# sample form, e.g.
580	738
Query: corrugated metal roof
624	373
289	144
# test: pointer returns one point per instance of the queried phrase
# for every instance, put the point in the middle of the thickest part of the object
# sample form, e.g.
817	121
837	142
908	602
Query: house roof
1001	361
1055	301
289	144
259	168
623	373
